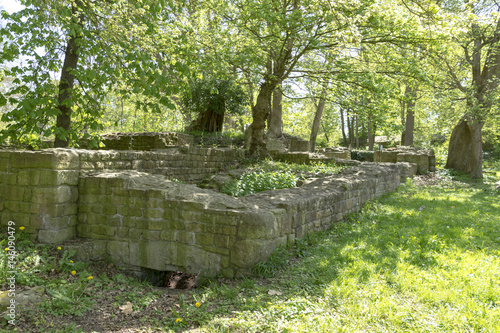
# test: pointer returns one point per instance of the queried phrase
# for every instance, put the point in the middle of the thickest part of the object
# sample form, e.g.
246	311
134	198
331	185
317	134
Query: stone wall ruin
121	206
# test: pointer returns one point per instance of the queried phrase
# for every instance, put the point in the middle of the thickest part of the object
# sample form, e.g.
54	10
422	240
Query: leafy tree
471	62
280	33
76	52
209	99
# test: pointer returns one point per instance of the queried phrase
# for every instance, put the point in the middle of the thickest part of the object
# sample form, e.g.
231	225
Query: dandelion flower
178	320
6	249
198	304
21	228
71	261
73	272
58	247
90	277
35	251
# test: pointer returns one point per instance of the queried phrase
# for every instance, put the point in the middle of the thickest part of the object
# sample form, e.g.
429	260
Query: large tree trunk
371	134
357	133
411	94
275	119
66	93
209	121
350	130
66	83
466	148
342	125
316	122
260	112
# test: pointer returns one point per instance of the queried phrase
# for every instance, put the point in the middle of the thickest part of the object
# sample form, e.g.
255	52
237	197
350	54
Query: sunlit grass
420	260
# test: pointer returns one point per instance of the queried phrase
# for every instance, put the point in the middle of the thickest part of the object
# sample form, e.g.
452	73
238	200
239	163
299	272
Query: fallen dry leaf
273	292
127	308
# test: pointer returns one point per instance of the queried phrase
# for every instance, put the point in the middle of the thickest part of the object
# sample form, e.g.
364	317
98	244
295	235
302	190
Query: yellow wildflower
21	228
6	249
73	272
90	277
178	320
71	261
58	247
198	304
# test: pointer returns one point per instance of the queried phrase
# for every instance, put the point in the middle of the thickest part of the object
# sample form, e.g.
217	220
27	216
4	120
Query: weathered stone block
30	177
157	224
257	225
14	193
5	162
83	230
55	223
12	206
153	235
122	232
56	236
187	237
118	252
222	241
204	239
169	235
153	254
248	252
59	177
116	220
103	230
29	207
153	213
10	178
58	158
109	210
56	194
135	233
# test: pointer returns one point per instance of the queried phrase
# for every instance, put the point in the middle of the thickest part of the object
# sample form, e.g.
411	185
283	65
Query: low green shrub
254	182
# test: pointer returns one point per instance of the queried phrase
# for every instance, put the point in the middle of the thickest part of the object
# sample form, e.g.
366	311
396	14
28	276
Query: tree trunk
350	129
411	94
209	121
275	119
342	125
260	112
371	135
357	133
466	148
316	122
66	93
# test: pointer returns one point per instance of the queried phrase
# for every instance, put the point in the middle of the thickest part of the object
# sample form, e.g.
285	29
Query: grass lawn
423	259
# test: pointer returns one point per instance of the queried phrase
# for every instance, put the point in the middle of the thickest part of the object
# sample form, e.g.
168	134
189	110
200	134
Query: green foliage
313	168
254	182
276	262
227	138
121	50
69	297
272	175
217	95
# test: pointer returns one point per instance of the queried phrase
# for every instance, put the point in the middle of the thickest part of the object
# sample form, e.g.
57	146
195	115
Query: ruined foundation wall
141	219
39	189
